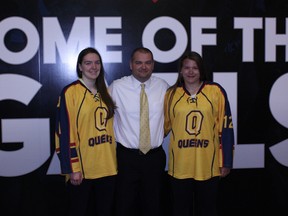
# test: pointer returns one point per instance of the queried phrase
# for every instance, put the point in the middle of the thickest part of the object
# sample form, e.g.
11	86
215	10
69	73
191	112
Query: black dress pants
139	181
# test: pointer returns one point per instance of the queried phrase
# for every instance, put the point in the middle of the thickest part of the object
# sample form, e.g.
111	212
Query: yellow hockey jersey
84	138
202	137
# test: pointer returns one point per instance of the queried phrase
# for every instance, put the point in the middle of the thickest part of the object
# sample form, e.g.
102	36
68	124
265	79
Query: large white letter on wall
32	38
179	31
246	155
198	39
53	40
278	102
33	133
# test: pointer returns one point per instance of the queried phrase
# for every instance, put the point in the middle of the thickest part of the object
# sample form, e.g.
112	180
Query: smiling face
90	66
190	72
142	65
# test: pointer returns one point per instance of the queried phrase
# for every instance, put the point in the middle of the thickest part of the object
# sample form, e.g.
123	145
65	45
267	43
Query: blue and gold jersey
201	138
84	138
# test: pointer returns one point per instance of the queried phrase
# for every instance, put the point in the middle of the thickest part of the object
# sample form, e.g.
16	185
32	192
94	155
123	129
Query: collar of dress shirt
136	83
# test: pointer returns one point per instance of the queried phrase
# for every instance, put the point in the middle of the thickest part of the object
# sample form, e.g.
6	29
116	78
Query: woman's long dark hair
100	81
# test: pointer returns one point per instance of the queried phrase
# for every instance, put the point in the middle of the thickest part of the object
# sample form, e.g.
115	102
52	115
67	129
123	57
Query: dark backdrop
39	190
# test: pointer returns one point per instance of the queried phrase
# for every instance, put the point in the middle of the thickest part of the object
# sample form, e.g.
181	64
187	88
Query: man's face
142	66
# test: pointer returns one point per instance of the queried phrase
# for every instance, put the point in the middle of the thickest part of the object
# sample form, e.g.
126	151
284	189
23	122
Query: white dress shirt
126	94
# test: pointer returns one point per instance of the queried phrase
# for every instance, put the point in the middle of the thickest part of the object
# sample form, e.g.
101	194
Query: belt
120	146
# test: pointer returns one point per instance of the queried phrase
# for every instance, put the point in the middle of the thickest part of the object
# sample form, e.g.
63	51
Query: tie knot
142	86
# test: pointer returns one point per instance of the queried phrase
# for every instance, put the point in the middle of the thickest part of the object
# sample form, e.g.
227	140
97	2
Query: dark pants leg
102	193
190	197
182	196
78	198
207	197
139	182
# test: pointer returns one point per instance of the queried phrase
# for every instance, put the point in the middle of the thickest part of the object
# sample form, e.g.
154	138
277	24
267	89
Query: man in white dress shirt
140	176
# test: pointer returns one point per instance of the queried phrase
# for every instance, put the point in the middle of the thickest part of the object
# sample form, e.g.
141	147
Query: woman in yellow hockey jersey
84	137
198	117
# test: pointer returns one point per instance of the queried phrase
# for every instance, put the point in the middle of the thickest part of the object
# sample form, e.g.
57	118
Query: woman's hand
224	171
76	178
